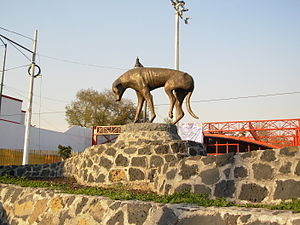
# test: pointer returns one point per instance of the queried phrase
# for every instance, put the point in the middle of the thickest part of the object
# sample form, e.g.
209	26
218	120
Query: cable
11	41
17	67
82	64
3	43
20	51
18	92
249	96
18	114
52	99
21	91
197	101
241	97
40	105
13	32
49	124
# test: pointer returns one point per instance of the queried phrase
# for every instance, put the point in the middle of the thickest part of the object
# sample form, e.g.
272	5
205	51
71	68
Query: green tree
93	108
64	151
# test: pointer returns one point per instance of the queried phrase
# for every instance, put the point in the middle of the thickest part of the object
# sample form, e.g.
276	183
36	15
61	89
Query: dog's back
153	77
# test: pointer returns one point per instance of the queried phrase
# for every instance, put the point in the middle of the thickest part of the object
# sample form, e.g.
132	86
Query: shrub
64	151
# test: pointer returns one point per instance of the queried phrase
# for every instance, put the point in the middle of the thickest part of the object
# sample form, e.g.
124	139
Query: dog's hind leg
180	95
172	101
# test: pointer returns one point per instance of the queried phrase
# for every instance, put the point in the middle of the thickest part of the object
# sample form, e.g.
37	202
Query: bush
64	151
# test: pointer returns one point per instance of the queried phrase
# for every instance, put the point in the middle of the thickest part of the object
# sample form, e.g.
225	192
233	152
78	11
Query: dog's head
118	89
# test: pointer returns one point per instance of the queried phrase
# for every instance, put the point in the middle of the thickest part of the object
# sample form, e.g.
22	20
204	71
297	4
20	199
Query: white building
11	110
12	131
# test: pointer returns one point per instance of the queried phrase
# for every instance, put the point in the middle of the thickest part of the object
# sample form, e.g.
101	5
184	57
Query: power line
14	32
16	67
82	64
51	99
3	43
13	44
11	41
197	101
19	114
240	97
249	96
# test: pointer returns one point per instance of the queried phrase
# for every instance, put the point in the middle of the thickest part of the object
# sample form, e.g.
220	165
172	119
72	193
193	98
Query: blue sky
232	48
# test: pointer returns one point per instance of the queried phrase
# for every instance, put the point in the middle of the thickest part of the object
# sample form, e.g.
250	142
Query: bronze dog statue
145	79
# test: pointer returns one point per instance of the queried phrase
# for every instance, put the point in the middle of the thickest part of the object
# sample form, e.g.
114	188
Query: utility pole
179	8
176	40
2	75
29	109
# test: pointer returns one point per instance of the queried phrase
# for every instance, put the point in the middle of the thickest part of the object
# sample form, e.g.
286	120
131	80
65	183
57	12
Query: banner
191	132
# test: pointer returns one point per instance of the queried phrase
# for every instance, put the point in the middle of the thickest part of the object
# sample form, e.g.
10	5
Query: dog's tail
188	105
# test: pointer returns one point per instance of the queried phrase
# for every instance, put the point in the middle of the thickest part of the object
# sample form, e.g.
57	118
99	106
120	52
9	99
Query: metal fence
14	157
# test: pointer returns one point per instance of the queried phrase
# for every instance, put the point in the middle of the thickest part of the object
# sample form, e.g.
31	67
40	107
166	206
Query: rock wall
267	176
134	159
131	164
27	206
51	170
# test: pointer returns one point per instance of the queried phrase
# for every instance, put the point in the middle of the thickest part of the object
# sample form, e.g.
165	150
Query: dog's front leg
141	100
149	99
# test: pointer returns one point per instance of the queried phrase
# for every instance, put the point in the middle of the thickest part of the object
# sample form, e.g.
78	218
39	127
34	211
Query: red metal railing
280	133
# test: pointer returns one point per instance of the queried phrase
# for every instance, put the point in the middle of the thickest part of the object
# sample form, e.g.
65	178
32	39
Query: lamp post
180	9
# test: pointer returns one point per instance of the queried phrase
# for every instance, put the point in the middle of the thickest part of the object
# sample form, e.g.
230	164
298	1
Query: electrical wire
205	100
249	96
14	32
82	64
240	97
40	105
50	99
3	43
20	51
195	101
52	112
16	67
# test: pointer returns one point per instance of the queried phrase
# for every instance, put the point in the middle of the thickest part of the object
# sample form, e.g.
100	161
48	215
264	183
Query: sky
244	55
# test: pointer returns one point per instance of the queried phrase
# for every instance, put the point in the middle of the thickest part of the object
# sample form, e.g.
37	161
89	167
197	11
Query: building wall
11	110
12	130
12	137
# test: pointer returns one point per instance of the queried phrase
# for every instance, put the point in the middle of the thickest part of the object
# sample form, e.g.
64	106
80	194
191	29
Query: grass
23	182
120	193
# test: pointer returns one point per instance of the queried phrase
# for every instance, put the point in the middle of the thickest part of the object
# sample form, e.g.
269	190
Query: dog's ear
119	85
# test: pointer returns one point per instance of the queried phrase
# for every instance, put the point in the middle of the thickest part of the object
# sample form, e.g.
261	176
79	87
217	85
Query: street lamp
180	10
